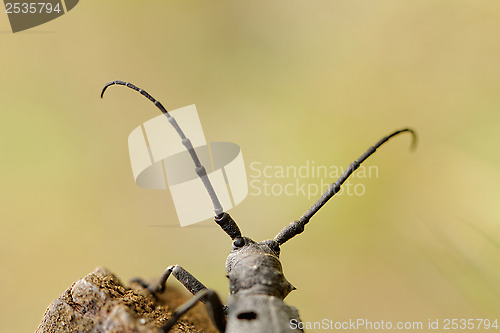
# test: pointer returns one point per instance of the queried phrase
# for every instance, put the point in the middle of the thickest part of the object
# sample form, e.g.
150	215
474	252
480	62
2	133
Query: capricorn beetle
257	286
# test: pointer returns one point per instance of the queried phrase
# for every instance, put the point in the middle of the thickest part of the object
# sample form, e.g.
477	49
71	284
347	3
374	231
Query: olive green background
289	82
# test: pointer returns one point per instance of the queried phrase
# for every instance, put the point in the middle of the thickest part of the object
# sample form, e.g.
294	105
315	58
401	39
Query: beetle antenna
200	169
296	227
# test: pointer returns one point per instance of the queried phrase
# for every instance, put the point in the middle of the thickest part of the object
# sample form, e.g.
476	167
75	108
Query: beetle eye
239	242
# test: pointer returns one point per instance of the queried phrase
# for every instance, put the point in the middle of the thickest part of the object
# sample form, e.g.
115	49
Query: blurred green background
289	82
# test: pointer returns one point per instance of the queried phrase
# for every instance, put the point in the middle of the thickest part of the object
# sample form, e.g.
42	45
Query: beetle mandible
257	286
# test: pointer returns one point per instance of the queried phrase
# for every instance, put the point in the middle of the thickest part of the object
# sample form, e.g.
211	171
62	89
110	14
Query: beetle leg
187	279
214	306
141	282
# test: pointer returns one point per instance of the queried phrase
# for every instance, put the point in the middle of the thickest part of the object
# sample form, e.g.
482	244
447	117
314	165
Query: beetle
257	285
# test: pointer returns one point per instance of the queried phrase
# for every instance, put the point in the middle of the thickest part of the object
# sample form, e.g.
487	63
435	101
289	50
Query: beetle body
260	313
257	287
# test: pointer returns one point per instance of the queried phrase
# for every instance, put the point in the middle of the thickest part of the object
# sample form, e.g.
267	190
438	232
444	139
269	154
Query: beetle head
255	268
243	247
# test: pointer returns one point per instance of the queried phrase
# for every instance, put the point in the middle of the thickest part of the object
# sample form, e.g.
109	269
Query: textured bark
100	303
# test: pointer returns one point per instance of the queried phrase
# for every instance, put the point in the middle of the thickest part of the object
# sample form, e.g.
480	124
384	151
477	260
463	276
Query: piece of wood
100	303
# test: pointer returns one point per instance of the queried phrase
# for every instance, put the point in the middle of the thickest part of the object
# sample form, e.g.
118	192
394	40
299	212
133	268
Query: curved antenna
296	227
200	169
